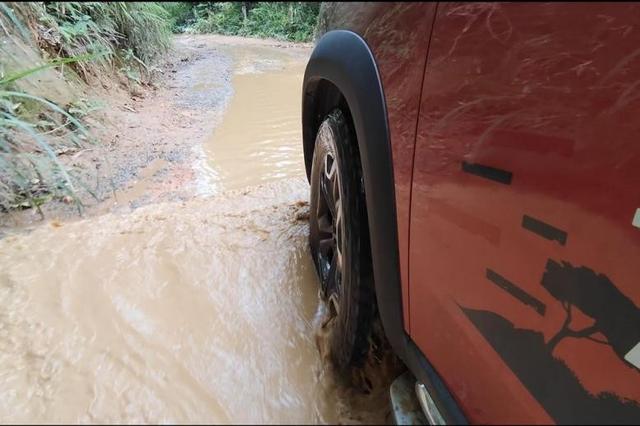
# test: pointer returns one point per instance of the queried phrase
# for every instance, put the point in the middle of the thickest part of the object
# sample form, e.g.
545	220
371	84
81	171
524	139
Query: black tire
339	239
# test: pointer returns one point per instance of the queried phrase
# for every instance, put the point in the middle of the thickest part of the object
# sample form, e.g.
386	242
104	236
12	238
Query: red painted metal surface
515	199
524	263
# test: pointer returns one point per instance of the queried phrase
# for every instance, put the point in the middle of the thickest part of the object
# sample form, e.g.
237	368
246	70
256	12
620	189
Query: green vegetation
181	15
293	21
88	38
29	145
69	29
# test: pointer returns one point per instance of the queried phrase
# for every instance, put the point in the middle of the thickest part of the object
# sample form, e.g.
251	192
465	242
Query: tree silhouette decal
549	379
614	314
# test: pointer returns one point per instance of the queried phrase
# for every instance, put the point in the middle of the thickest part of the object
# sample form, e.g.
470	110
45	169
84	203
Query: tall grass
33	131
91	38
69	29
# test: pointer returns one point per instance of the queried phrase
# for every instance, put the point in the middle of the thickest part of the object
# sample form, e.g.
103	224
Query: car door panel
523	269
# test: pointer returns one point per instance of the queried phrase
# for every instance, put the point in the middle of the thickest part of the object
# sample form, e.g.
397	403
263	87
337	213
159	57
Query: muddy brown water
199	311
259	139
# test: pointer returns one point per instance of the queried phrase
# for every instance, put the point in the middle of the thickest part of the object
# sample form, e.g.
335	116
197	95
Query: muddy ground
185	291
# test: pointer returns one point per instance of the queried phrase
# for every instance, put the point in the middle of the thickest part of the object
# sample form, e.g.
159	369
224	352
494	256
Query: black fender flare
344	59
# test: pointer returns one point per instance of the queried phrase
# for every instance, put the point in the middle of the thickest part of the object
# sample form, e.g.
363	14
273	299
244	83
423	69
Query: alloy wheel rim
330	232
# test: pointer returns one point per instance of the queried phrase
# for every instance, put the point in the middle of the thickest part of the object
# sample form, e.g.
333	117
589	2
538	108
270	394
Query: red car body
514	135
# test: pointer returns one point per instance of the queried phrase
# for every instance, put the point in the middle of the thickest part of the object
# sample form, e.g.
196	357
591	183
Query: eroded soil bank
186	293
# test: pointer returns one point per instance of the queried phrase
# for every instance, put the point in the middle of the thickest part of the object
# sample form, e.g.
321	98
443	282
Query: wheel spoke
337	228
331	276
333	283
327	192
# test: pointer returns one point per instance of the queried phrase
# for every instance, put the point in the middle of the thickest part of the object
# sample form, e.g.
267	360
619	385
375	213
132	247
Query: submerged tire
339	240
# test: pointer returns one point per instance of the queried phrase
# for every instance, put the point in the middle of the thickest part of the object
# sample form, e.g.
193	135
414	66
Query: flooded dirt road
190	296
259	139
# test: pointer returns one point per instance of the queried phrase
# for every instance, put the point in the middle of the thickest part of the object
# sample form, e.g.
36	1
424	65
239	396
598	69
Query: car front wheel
339	240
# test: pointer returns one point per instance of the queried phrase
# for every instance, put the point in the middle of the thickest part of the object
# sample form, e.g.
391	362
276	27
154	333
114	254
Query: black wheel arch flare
342	68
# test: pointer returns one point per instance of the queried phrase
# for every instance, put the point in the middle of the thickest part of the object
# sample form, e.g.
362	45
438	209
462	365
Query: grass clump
33	132
89	38
70	29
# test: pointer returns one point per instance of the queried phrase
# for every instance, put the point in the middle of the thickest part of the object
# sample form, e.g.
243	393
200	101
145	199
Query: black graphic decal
516	291
487	172
615	315
544	230
549	380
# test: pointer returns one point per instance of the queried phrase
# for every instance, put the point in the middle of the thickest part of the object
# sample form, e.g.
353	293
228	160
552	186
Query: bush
220	18
180	15
287	21
294	21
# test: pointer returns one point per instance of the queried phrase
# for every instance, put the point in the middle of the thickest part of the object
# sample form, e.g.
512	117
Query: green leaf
50	64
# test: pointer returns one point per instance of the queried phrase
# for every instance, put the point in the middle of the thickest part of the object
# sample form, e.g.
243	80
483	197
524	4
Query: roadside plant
87	38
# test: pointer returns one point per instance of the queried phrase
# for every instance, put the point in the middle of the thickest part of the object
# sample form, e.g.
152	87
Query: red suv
475	182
